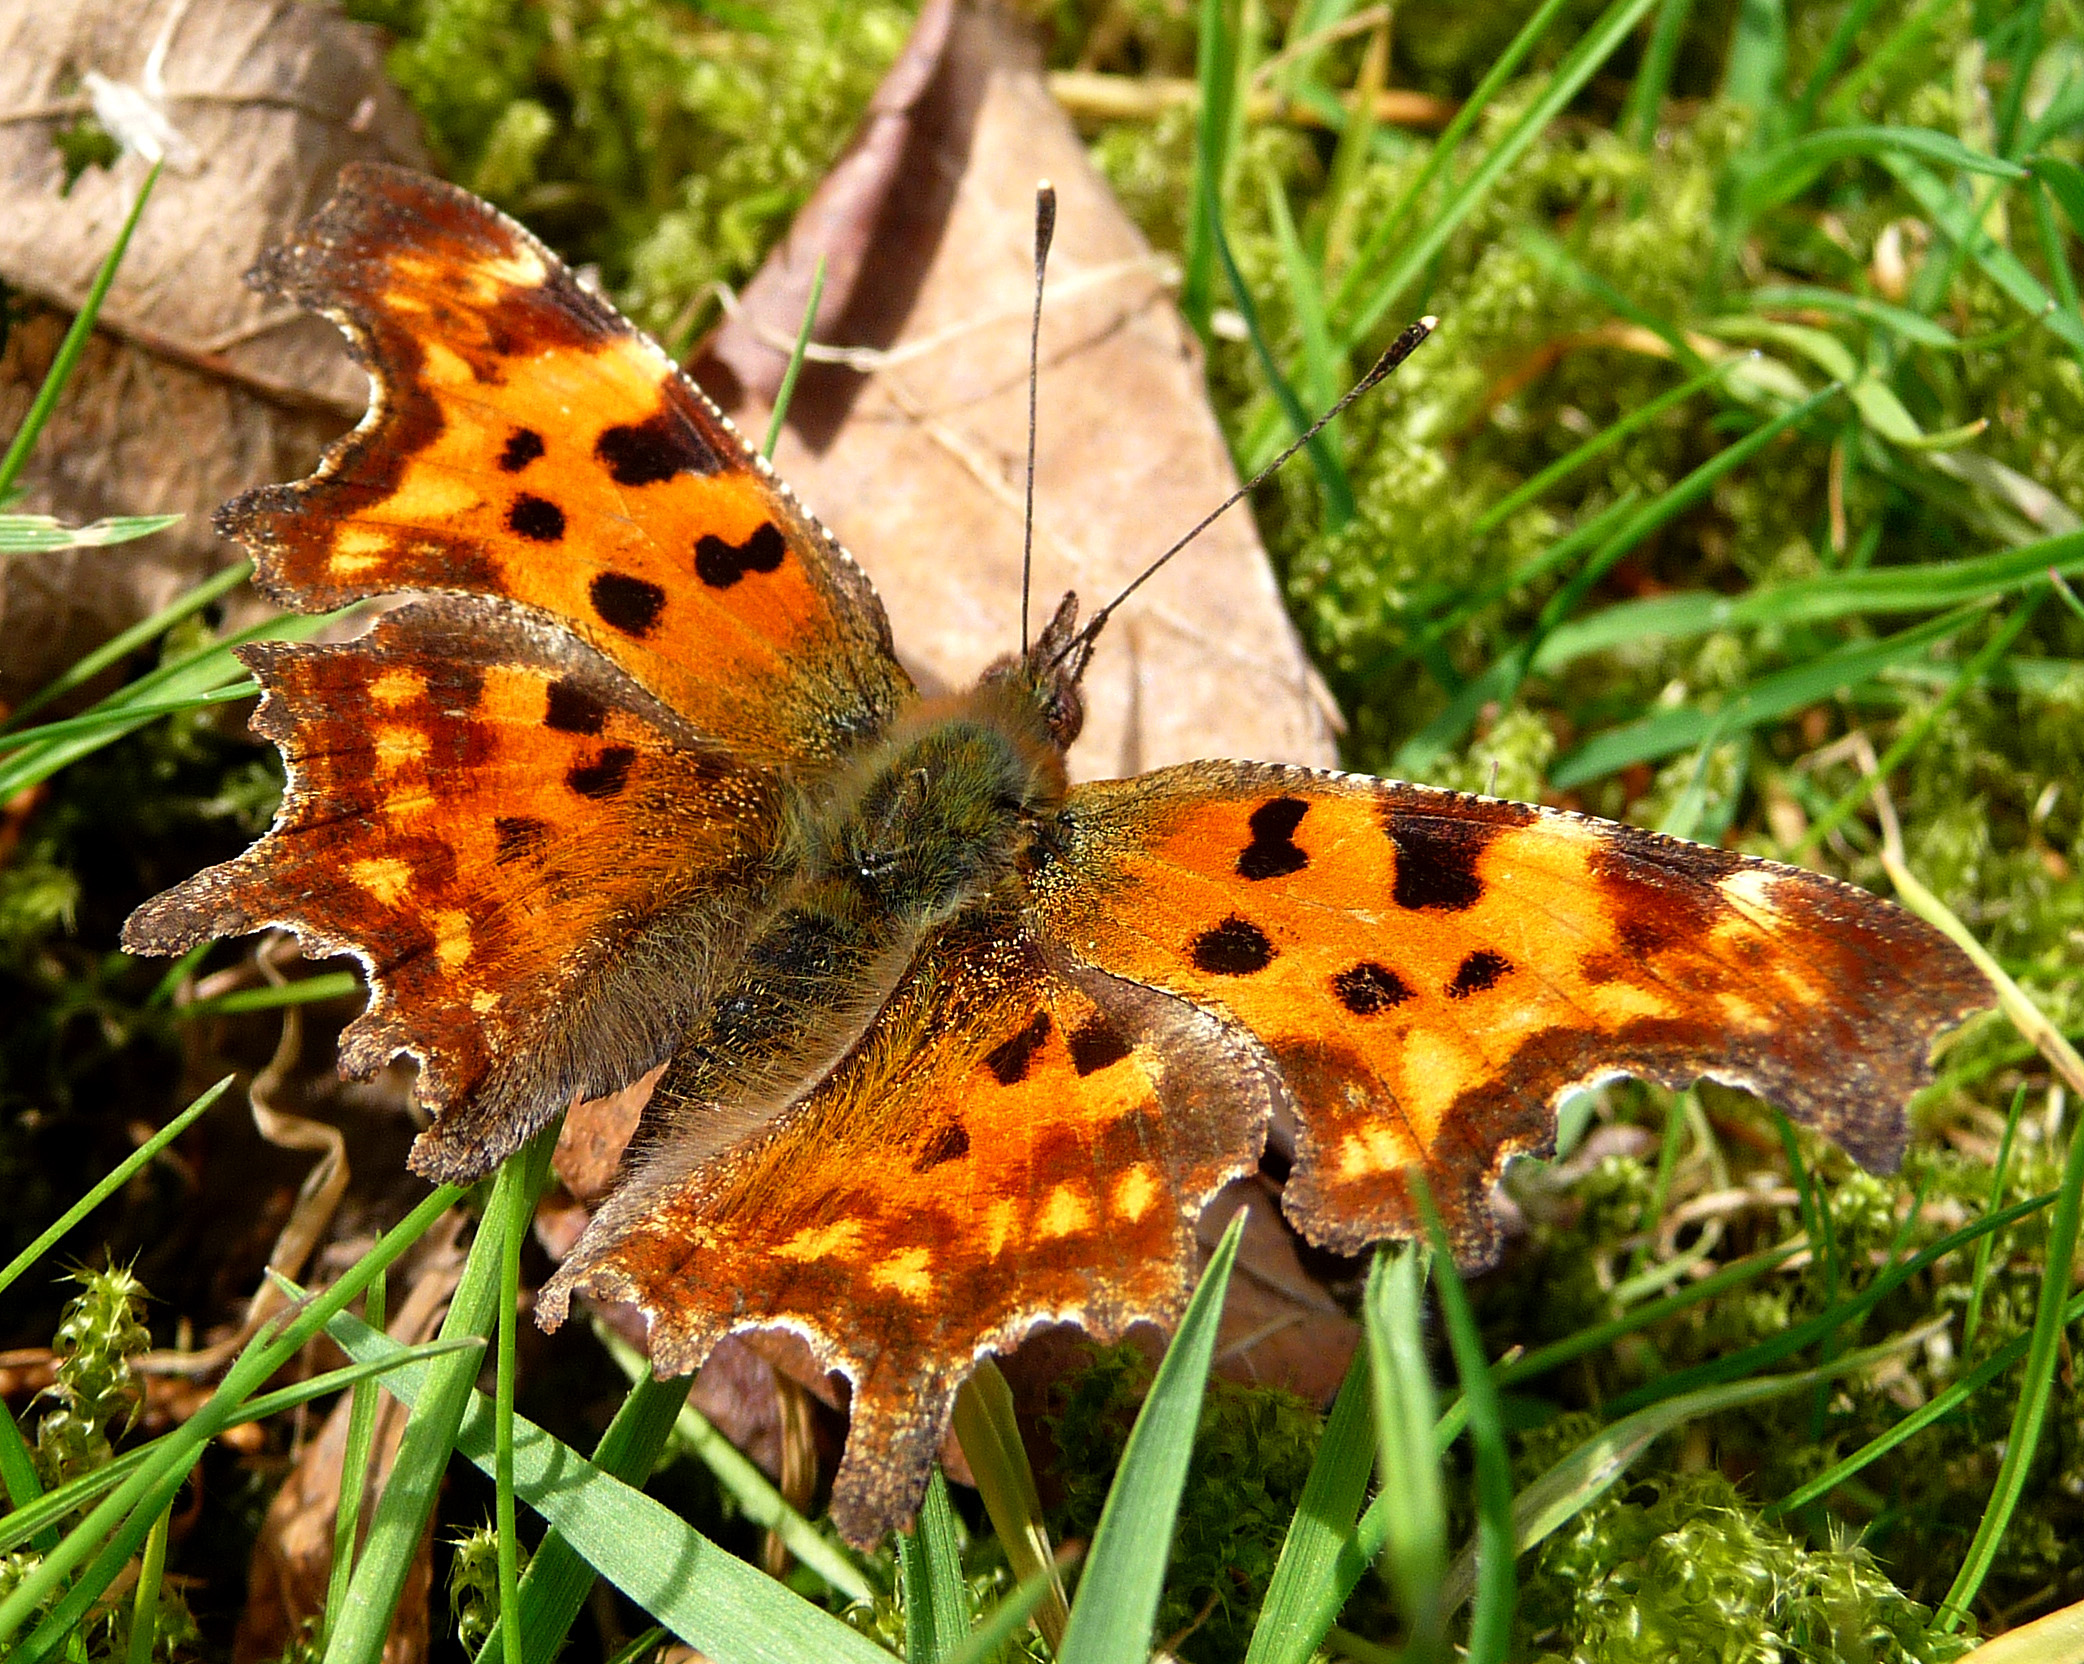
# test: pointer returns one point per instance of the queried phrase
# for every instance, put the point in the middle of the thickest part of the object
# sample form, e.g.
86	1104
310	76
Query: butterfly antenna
1399	350
1045	229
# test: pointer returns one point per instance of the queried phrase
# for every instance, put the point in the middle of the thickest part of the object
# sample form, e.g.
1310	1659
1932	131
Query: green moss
1252	1454
1682	1568
650	139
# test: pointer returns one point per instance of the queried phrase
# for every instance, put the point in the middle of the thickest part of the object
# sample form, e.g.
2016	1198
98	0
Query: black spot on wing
523	446
1368	988
605	775
1236	947
1273	852
536	518
1481	970
631	605
572	710
720	564
654	450
521	838
1009	1062
950	1142
1436	861
1096	1046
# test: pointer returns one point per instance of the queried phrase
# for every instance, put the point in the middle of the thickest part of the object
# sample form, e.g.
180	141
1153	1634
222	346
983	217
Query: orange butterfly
953	1048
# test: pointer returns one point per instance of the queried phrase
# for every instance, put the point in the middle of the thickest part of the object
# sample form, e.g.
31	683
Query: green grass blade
1764	1353
1588	1472
1324	459
1765	700
1957	220
206	670
2030	1415
1325	374
2064	181
144	1607
1912	326
354	1471
1653	79
1936	1408
1904	39
1828	62
1215	73
18	1475
1971	675
1578	66
113	1181
1415	1553
126	717
1558	262
785	394
72	346
929	1564
751	1491
1757	54
1595	447
640	1648
400	1516
554	1588
1297	1612
121	646
986	1429
308	990
520	1209
2053	251
53	1506
1785	173
1830	595
118	1523
1972	1318
41	534
1386	232
1125	1572
1005	1620
1490	1627
1502	679
711	1599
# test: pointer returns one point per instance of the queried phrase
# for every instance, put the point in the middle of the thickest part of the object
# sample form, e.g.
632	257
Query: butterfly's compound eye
1064	711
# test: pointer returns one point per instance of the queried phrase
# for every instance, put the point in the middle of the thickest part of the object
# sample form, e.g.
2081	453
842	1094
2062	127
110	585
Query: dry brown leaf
917	464
273	99
195	387
926	223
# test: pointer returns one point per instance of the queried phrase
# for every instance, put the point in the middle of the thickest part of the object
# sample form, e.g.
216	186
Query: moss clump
1252	1454
1681	1568
662	144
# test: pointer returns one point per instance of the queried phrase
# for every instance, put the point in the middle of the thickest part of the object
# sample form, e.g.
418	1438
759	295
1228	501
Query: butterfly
953	1048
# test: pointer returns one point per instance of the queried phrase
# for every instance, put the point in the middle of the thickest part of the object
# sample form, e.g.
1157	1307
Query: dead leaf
194	387
916	461
274	99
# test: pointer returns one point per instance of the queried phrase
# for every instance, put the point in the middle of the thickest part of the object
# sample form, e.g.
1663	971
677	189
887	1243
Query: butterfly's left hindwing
534	859
1012	1143
1431	971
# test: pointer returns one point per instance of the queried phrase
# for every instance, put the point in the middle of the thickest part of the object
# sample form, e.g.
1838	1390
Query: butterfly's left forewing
1014	1142
1430	972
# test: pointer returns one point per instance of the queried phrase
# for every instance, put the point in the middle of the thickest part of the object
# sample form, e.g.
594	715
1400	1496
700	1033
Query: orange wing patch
504	828
1430	971
524	441
1010	1145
